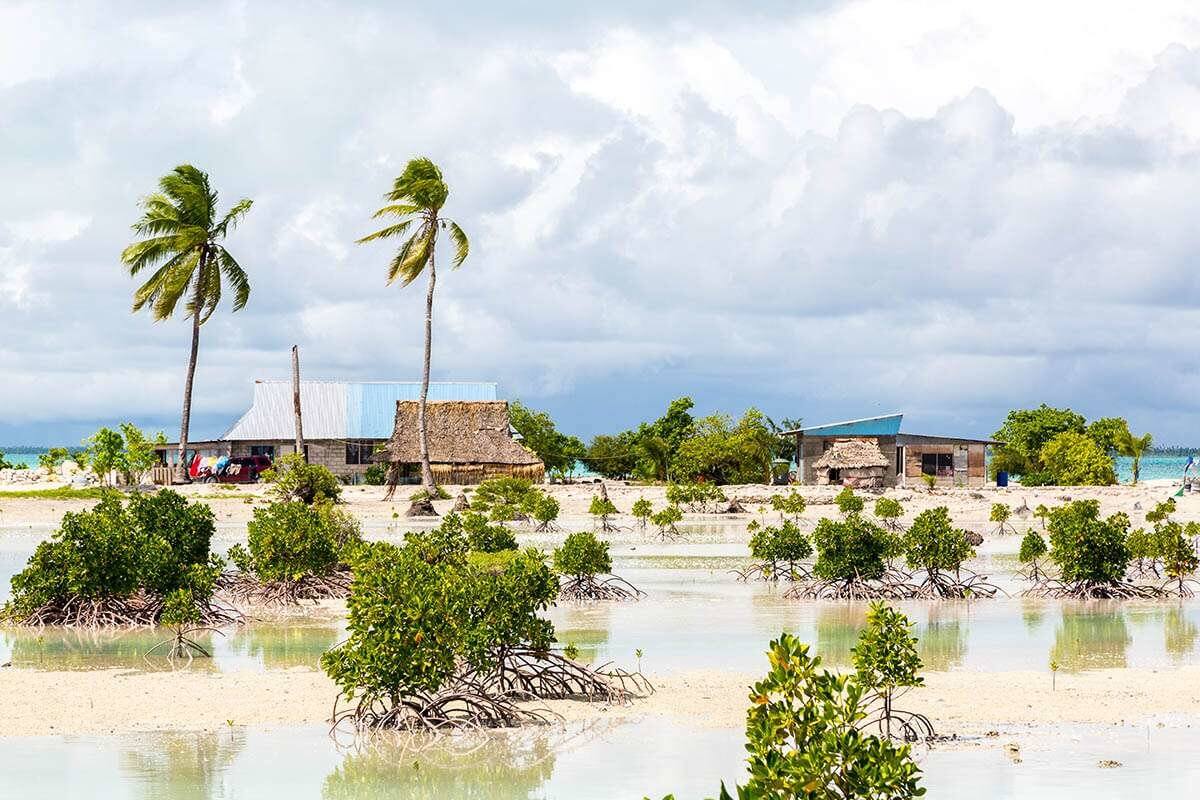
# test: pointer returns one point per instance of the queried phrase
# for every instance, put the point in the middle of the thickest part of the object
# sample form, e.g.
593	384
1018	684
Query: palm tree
182	233
1134	447
416	198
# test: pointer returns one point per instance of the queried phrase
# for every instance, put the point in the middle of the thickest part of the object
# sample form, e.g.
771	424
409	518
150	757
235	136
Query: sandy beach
967	703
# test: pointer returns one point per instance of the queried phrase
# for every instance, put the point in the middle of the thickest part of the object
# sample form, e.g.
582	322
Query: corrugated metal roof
340	409
886	425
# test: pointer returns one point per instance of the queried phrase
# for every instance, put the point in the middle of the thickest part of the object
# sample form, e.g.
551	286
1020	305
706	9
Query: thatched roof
460	432
852	454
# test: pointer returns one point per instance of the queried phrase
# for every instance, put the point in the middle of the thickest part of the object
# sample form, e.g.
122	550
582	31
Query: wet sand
964	703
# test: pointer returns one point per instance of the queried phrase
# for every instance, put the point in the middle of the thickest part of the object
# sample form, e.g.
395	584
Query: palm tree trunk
422	427
181	472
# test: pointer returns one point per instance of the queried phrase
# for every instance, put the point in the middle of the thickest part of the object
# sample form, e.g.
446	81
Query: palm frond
194	198
149	252
232	217
174	286
236	276
412	257
210	291
461	246
153	288
397	210
390	231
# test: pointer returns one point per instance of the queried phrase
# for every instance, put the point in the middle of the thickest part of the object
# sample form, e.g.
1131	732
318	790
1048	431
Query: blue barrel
1002	479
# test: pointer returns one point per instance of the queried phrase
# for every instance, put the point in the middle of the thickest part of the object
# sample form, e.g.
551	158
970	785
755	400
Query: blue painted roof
371	407
886	425
341	409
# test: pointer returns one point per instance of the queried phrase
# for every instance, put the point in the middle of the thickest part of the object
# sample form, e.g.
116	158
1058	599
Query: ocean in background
1154	466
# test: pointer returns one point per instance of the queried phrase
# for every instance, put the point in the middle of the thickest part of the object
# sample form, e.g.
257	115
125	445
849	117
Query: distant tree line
675	447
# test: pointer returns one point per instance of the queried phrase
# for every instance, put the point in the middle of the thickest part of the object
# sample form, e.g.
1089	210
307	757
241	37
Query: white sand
967	703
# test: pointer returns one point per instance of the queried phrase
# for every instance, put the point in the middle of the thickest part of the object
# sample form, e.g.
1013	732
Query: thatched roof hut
469	441
852	462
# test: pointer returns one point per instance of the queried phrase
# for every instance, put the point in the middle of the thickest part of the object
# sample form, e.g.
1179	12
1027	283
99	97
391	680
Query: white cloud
939	206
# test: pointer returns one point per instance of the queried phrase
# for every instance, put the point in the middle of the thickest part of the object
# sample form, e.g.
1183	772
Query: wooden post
296	400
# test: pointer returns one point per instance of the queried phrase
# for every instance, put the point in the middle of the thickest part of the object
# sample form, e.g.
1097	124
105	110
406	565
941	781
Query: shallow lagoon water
596	762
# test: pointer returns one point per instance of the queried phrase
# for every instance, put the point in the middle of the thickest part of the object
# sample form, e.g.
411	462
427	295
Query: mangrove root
246	588
589	587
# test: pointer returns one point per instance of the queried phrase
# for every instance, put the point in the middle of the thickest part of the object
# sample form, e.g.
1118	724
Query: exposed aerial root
1087	590
885	720
588	587
141	610
182	645
458	708
670	533
493	698
791	572
552	676
548	526
893	585
963	585
246	588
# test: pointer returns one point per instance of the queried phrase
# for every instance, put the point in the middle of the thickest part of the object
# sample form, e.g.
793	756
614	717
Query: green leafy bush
1075	459
582	554
1033	547
851	549
933	544
505	498
642	510
696	496
482	536
439	493
791	504
288	540
889	510
803	736
784	543
375	475
1085	547
293	478
421	613
666	519
114	554
848	502
544	509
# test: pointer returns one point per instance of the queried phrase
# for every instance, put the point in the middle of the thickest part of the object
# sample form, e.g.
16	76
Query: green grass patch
60	493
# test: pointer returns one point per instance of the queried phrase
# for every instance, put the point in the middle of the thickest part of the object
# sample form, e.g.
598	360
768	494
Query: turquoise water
28	459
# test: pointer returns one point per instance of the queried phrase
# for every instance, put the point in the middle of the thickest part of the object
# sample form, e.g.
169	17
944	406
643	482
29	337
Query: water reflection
499	767
181	766
284	647
1091	637
837	633
1179	634
1033	613
85	649
942	642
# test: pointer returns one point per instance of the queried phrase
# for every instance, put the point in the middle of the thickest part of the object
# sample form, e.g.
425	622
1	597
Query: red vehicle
244	469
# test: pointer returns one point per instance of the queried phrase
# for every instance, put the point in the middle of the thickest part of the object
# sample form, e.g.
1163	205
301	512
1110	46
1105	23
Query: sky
825	210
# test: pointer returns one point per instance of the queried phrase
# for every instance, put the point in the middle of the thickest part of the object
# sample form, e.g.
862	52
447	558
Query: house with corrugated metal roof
951	460
345	422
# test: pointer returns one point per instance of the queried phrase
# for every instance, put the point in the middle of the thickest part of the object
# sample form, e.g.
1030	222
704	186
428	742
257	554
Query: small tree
666	520
1091	553
544	510
581	558
642	511
602	508
1033	548
772	546
293	478
1179	554
889	511
790	505
482	536
849	503
934	545
698	496
886	662
1000	515
804	736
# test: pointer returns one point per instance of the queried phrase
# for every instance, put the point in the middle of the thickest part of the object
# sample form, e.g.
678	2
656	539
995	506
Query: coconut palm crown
182	243
416	200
